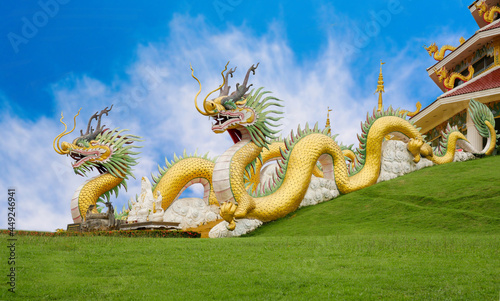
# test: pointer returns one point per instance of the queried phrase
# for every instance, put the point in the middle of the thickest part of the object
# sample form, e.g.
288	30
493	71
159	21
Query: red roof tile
485	82
491	27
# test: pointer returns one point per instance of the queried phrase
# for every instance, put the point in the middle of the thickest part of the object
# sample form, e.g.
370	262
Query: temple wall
434	135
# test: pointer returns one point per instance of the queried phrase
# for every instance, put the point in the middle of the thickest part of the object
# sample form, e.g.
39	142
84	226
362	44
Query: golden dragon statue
231	181
488	14
448	79
439	54
108	151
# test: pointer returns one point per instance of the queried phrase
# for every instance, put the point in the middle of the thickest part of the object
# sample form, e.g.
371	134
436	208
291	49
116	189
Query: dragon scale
306	152
181	175
89	192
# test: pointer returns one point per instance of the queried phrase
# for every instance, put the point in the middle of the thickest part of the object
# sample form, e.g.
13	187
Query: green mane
440	150
480	113
263	129
121	160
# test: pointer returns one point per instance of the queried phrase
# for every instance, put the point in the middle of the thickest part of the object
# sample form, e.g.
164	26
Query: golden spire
328	121
380	87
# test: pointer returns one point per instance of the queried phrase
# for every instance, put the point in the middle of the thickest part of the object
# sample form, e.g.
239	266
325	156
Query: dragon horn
89	126
199	91
55	144
225	90
205	100
105	111
241	90
223	83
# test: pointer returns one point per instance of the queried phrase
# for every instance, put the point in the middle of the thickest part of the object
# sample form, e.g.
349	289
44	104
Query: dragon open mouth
82	156
223	121
235	135
77	157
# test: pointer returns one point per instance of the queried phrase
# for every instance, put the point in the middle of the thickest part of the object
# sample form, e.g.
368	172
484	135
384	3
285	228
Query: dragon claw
227	211
414	148
232	225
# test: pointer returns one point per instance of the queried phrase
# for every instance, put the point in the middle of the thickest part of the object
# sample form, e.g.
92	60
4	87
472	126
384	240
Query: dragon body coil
232	180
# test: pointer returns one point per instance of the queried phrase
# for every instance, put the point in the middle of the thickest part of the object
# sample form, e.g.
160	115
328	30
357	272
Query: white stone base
397	161
320	190
243	226
191	212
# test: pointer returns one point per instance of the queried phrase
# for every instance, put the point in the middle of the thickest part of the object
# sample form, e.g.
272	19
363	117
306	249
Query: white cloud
156	102
42	181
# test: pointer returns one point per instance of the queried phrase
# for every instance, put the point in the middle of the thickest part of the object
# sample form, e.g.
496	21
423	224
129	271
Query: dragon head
481	7
101	148
442	73
431	49
240	112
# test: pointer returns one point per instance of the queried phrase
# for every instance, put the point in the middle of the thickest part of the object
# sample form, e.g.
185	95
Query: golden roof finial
328	121
380	87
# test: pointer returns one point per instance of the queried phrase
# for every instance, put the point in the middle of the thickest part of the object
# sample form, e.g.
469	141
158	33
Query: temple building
470	70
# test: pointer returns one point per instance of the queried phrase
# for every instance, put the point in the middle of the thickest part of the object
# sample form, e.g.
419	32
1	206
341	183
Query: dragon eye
209	106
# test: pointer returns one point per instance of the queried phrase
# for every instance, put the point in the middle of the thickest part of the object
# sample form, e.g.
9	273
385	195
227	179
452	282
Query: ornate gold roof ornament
448	79
439	54
328	121
488	14
380	87
418	105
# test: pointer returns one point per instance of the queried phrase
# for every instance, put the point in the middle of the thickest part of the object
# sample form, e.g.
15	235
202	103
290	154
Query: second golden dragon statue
232	180
448	79
246	118
489	14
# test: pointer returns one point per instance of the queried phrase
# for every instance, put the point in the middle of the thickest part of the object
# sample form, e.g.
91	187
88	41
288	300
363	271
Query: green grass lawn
430	235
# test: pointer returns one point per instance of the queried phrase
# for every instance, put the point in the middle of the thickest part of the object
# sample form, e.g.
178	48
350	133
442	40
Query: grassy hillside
430	235
462	197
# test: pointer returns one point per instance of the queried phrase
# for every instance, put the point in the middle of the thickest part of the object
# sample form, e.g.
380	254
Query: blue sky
60	55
